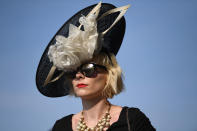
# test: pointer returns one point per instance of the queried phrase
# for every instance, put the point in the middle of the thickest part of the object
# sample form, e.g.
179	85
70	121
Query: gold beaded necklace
102	123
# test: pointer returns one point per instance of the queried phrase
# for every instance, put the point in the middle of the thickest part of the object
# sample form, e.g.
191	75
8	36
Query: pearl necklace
102	123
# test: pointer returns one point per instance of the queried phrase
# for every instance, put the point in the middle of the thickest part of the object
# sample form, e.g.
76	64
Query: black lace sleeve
139	121
56	126
63	124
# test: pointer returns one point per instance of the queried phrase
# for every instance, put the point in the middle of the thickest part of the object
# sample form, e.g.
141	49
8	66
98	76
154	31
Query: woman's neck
94	109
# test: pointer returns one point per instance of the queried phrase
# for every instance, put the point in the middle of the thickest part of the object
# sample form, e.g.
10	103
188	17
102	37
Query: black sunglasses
88	70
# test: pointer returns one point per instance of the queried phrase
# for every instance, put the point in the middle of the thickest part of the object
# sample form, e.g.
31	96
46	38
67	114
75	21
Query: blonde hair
114	84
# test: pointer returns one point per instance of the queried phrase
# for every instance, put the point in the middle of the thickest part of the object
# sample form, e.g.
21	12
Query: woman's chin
88	96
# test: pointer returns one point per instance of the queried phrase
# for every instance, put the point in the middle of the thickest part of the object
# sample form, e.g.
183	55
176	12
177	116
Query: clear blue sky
158	57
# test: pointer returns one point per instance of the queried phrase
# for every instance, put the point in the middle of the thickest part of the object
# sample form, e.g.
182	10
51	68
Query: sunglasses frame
83	72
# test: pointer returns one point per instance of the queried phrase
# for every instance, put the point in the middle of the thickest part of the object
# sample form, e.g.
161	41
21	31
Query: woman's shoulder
133	111
138	119
136	113
60	124
66	118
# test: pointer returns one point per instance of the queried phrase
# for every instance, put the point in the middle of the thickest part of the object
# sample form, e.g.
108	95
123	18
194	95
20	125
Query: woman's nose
79	75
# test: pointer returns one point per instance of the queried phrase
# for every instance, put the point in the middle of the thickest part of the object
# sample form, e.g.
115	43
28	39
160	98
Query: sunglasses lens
88	70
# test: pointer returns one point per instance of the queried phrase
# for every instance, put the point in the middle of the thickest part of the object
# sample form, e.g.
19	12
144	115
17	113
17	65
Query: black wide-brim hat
111	43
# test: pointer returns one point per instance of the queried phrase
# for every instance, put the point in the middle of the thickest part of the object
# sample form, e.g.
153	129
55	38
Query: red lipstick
81	85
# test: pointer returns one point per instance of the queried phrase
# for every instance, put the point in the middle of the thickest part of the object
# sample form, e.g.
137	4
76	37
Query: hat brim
112	42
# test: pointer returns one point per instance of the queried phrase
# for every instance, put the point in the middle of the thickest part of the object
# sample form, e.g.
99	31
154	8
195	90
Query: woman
82	62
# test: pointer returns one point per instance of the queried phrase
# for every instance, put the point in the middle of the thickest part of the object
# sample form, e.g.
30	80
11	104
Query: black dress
136	119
